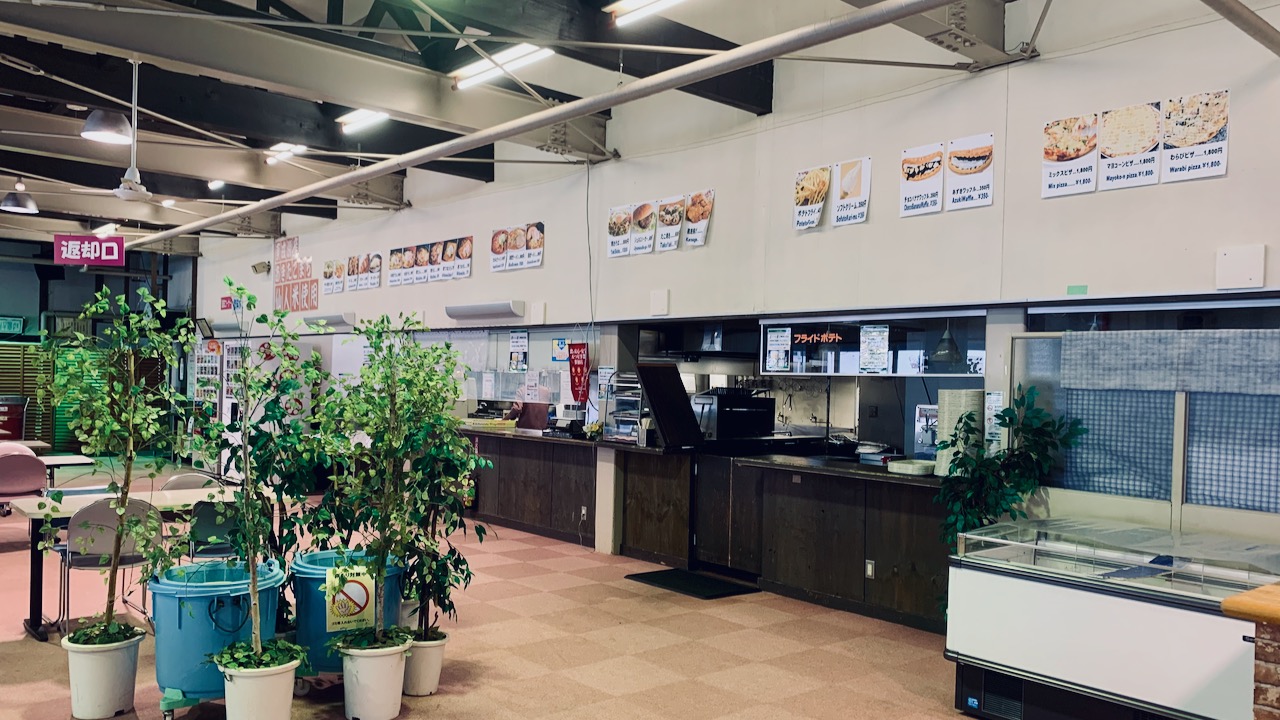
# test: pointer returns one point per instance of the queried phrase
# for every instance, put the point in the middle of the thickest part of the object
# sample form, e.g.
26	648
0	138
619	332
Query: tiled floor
552	630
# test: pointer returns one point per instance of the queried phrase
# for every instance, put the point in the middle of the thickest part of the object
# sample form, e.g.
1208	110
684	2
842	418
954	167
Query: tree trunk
121	522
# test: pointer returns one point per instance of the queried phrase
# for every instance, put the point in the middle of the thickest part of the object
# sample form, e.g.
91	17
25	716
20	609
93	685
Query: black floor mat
703	587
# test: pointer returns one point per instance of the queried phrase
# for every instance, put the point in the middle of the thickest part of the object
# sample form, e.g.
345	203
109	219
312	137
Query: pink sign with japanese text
88	250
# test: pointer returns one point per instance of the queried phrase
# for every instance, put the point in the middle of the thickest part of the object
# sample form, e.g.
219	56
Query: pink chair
13	448
21	475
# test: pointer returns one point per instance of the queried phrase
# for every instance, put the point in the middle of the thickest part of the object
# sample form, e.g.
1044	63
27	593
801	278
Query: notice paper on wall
605	375
560	350
619	235
670	223
853	192
811	191
518	351
971	172
644	222
697	217
1195	136
873	347
777	350
487	386
920	185
993	404
1129	146
1070	156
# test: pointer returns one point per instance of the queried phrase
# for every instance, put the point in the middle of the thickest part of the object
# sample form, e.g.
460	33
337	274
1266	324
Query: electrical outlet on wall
584	514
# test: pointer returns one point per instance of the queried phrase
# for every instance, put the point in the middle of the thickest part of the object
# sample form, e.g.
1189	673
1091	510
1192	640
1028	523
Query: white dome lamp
109	127
18	201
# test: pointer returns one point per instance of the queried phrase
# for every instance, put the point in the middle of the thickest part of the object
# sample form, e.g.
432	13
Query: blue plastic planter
198	610
309	573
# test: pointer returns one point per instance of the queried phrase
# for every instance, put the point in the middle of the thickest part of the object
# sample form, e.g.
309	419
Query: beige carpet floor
553	630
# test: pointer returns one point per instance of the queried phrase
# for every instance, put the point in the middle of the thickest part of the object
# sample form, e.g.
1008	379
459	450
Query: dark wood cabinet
656	506
727	513
746	511
814	530
538	485
904	541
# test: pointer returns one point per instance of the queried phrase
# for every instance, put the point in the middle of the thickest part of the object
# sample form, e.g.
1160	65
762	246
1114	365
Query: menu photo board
812	187
335	277
777	349
644	228
443	260
1129	146
697	217
619	231
853	193
661	225
873	348
1195	136
359	272
970	172
1070	156
518	247
670	223
920	186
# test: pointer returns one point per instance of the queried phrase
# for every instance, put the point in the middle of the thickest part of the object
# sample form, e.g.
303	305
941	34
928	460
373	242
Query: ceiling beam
34	228
290	65
972	28
58	136
91	175
750	89
55	200
263	118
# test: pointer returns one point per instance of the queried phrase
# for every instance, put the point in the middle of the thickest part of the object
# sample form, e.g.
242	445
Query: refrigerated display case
1103	612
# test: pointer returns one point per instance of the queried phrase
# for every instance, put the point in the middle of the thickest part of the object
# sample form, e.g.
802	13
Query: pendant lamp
108	127
20	203
947	351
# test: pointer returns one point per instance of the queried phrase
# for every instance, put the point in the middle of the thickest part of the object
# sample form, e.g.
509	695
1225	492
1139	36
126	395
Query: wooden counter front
541	485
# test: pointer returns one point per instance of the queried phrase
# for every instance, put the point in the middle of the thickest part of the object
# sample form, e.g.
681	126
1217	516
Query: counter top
1260	605
535	435
838	468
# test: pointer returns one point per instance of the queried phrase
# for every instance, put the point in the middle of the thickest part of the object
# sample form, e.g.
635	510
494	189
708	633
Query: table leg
34	624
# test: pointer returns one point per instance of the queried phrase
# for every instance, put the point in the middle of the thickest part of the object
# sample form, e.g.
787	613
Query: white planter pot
372	682
102	678
422	667
260	694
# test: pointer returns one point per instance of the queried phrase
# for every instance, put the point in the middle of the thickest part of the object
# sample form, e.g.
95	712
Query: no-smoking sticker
349	595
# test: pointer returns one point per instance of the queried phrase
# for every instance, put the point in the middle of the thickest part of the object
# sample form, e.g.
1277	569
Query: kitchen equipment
910	467
879	459
735	415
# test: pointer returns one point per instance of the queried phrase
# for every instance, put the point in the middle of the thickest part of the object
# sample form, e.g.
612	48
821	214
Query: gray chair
90	537
191	481
21	475
211	528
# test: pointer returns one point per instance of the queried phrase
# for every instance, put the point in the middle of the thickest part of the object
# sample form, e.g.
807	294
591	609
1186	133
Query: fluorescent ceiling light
357	120
629	11
107	127
216	184
168	202
511	59
105	230
19	203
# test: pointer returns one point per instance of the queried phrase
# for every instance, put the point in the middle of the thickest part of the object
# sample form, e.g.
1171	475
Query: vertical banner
88	250
854	193
1070	164
1129	147
811	196
295	287
920	187
970	172
518	347
620	231
670	223
777	348
579	371
697	217
1195	136
644	227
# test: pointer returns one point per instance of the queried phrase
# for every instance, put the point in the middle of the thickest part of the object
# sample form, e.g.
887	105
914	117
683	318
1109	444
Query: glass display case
1193	564
507	387
624	408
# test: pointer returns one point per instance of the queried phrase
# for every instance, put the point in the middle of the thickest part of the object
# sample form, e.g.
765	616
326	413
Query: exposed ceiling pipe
1239	14
883	13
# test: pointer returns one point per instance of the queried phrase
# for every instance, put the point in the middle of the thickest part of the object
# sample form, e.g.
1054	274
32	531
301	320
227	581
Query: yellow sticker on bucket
349	597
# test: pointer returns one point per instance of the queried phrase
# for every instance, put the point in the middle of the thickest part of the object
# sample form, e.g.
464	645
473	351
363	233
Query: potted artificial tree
115	390
263	446
398	477
982	486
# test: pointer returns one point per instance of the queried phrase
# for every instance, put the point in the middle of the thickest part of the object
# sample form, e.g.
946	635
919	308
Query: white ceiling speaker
505	310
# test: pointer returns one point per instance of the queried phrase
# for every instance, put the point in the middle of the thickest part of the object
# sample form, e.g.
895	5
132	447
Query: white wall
1155	240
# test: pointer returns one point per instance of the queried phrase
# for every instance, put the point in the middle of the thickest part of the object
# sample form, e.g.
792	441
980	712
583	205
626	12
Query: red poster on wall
579	371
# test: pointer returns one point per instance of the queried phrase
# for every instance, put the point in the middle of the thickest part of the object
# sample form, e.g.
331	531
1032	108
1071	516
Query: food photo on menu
620	231
812	186
919	169
1070	138
1195	120
497	250
671	214
970	161
464	248
1131	130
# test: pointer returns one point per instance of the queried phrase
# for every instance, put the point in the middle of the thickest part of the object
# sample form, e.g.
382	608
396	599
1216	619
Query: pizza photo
1070	138
1195	119
1131	130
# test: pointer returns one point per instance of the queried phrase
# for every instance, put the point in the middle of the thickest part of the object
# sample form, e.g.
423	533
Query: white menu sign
777	347
853	191
697	217
920	186
670	223
811	196
971	172
1195	136
1129	147
619	231
1070	156
644	220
